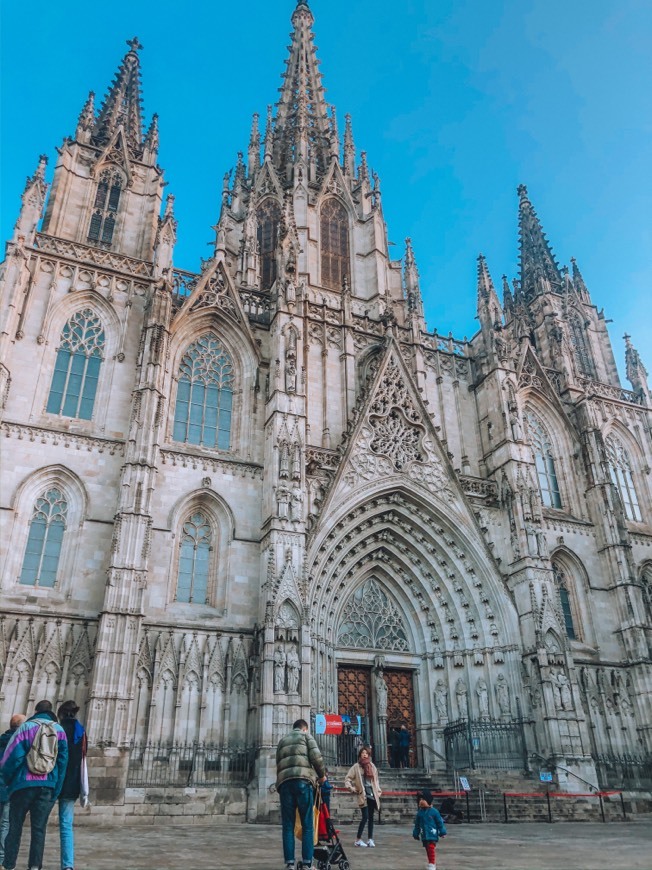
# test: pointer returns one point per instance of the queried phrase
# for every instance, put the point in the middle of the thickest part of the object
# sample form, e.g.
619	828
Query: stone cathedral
267	490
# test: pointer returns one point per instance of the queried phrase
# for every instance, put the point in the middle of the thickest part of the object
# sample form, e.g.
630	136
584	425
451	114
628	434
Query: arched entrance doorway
375	674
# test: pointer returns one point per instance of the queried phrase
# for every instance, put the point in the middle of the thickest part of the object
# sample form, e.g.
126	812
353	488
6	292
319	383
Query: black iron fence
486	744
624	771
189	764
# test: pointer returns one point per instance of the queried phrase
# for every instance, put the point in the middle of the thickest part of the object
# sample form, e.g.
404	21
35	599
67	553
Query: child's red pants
430	852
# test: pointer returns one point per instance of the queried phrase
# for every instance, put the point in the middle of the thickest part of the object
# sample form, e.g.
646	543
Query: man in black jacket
72	784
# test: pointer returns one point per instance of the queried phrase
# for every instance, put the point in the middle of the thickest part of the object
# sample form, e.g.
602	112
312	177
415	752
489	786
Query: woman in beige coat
362	780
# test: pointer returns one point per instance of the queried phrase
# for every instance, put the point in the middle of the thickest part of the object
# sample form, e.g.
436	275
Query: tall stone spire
411	281
302	127
86	119
539	270
122	104
33	200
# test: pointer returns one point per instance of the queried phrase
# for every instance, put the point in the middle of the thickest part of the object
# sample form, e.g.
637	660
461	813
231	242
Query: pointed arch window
205	395
194	560
44	540
334	239
269	222
77	367
544	460
565	600
105	208
620	469
580	346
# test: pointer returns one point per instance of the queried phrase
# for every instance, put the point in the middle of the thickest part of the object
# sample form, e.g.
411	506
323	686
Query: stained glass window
621	476
77	367
544	460
372	621
194	560
565	600
44	540
269	221
105	208
205	395
335	260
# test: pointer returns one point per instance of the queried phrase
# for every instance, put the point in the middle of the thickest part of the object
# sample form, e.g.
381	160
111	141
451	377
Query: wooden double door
356	698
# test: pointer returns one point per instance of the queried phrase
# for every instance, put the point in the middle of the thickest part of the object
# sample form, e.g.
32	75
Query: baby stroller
329	852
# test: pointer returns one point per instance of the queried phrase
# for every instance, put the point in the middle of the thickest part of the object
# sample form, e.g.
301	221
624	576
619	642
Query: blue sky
455	101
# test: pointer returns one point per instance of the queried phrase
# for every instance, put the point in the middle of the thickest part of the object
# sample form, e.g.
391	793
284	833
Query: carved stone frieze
96	256
211	463
67	439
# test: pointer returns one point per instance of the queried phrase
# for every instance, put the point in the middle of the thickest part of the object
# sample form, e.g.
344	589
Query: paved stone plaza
580	846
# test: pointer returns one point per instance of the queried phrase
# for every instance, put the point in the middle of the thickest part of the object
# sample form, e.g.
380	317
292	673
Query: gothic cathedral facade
267	490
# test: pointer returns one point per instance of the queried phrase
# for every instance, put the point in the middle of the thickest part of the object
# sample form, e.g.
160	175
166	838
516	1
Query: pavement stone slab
527	846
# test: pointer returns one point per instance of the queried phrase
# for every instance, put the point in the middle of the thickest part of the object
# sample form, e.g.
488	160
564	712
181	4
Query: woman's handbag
316	813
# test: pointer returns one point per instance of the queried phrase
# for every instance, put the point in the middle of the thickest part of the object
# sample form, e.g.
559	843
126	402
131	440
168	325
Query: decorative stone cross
134	44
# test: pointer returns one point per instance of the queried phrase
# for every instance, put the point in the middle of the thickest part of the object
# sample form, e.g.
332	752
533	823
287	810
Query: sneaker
371	844
360	843
289	865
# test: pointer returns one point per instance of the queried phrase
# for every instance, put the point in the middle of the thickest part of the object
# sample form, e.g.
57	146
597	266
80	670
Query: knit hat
425	795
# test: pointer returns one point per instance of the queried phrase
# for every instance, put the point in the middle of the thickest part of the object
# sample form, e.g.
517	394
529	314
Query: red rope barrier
559	794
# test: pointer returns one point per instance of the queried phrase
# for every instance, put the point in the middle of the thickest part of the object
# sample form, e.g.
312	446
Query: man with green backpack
33	768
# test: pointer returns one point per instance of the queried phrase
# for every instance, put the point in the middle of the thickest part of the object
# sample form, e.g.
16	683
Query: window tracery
105	207
544	460
580	346
372	621
565	600
269	221
194	560
77	367
44	540
620	469
205	395
334	242
646	579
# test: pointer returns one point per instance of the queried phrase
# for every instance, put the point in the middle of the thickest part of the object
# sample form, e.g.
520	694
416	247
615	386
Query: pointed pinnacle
152	137
87	114
254	138
269	133
169	205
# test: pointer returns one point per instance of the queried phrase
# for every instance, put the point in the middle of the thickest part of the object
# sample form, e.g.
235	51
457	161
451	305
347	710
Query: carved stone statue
563	694
283	501
441	701
381	694
290	372
483	698
502	695
296	504
279	670
461	694
294	667
290	292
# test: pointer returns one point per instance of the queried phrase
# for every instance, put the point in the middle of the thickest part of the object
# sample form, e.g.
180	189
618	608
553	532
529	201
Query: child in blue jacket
428	827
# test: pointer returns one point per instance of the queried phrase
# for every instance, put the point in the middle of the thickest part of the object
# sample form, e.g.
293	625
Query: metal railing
340	750
189	764
490	744
624	771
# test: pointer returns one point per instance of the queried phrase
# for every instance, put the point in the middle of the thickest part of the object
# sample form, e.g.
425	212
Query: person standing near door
404	745
362	780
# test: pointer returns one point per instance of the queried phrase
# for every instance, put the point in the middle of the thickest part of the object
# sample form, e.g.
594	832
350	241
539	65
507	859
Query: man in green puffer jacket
299	766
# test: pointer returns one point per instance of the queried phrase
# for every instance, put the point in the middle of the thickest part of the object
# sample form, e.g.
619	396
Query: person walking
16	720
404	746
362	780
429	827
33	766
75	783
299	766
